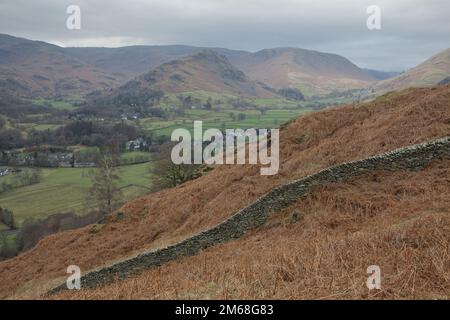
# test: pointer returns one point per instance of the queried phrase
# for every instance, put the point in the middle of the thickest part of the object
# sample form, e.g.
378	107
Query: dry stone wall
255	215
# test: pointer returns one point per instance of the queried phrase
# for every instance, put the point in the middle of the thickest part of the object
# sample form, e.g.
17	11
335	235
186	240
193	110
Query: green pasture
64	190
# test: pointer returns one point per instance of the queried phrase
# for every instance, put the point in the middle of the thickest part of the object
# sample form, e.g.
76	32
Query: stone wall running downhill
255	215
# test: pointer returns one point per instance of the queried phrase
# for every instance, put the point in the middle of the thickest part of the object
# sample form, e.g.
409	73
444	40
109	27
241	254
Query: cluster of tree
239	117
291	94
22	110
8	248
208	105
33	230
11	138
7	218
129	95
188	101
96	134
166	174
89	133
353	94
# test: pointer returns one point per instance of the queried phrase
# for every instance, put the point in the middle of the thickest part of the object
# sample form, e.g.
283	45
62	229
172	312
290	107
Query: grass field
39	127
223	119
130	156
67	104
64	190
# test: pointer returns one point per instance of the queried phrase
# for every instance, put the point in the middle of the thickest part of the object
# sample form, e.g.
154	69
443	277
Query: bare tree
104	191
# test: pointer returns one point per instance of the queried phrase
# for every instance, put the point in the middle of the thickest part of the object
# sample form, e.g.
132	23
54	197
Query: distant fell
428	73
204	71
38	69
313	72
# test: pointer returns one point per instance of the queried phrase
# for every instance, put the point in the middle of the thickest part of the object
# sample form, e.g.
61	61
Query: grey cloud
412	30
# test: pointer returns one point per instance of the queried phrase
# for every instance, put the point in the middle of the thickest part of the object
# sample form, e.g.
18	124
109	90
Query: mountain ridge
310	71
39	69
90	68
203	71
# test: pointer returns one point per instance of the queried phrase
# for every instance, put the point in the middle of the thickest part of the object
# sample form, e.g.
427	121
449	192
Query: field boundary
256	214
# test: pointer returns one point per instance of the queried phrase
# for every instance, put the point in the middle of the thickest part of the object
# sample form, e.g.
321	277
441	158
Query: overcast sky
411	30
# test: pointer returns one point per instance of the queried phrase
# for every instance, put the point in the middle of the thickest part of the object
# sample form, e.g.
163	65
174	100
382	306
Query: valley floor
398	221
64	190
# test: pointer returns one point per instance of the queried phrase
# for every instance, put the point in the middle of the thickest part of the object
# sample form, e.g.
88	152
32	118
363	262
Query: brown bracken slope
320	248
308	144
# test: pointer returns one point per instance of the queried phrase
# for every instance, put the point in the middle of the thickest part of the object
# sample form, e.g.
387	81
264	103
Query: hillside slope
38	69
307	145
428	73
205	71
132	61
313	72
321	246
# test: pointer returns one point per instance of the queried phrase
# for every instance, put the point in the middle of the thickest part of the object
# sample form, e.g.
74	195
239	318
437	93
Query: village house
16	158
5	171
136	145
